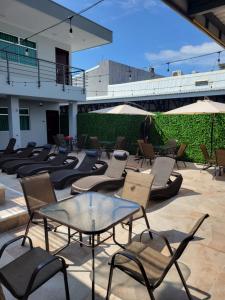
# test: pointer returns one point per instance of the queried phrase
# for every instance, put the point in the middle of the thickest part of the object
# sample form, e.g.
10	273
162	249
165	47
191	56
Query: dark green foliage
191	129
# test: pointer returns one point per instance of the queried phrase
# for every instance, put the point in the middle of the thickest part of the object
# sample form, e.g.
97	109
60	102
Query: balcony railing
27	69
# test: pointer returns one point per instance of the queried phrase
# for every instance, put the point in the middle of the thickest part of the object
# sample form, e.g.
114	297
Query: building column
73	119
14	120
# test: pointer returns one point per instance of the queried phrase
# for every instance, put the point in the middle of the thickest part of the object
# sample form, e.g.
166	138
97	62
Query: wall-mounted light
27	52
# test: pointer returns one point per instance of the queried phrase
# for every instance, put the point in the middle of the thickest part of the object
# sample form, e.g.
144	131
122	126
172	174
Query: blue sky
145	33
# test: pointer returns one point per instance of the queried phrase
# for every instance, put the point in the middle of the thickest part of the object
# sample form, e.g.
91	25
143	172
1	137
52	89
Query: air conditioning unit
177	73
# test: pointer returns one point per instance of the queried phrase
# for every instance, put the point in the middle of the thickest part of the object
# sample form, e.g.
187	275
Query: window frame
25	115
1	114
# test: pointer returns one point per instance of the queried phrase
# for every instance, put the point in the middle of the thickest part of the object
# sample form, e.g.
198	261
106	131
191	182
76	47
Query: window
4	119
19	46
24	119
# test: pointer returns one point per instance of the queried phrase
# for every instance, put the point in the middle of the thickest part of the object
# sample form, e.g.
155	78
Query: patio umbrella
198	108
123	109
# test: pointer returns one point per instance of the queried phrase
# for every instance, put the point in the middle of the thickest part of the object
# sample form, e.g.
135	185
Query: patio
203	263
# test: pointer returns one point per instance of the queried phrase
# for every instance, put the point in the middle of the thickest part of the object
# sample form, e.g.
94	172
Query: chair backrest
188	238
137	188
162	169
171	143
220	157
205	152
38	191
81	141
94	142
140	143
10	147
27	151
181	150
89	161
61	138
148	150
117	164
120	143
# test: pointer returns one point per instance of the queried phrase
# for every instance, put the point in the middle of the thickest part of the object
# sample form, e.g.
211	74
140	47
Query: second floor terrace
28	76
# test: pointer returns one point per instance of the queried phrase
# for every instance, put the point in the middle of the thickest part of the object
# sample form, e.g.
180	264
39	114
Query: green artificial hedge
191	129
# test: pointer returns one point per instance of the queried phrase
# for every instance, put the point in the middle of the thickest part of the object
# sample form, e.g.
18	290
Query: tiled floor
203	263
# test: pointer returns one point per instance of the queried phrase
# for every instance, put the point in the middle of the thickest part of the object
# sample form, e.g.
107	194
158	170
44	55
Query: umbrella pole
211	134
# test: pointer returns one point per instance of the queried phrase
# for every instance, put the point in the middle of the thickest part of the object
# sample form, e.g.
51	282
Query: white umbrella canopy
199	107
123	109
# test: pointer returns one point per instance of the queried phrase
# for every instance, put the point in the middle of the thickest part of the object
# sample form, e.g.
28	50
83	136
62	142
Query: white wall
38	130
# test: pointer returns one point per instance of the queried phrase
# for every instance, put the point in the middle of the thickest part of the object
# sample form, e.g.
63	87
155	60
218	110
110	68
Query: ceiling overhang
208	15
32	16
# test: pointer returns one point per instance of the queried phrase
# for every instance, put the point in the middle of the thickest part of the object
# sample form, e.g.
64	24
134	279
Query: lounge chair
166	183
11	167
29	271
62	178
209	161
149	266
60	161
20	153
113	177
137	188
9	148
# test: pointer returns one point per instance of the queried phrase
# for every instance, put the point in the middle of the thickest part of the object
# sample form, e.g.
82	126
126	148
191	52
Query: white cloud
186	51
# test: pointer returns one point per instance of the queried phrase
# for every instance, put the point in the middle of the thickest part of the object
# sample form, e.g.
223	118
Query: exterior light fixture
168	67
71	29
219	57
27	52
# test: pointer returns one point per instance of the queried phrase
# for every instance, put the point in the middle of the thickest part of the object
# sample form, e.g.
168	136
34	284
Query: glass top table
89	213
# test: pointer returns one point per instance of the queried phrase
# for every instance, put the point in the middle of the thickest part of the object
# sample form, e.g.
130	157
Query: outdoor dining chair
149	266
209	161
9	148
38	192
220	160
179	156
148	153
29	271
137	188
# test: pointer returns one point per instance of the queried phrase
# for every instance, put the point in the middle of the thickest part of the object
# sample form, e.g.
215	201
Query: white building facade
36	73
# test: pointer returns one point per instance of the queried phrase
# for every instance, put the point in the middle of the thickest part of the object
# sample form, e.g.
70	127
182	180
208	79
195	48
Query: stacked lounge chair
11	167
112	179
60	161
20	153
63	178
9	148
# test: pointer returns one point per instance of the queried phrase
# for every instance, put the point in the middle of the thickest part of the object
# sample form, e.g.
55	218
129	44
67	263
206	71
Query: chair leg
184	164
147	222
177	165
66	284
81	239
110	282
27	229
183	281
130	232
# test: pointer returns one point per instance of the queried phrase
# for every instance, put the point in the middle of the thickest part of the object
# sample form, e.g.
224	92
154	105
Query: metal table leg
46	234
93	265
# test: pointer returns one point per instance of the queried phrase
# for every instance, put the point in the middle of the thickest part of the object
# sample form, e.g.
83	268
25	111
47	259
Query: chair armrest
132	257
66	198
132	169
160	236
15	240
42	266
51	155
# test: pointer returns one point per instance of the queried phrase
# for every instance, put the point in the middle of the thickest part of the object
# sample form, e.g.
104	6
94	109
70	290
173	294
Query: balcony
27	76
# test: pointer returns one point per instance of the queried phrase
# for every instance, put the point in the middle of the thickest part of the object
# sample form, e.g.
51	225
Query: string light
71	29
168	66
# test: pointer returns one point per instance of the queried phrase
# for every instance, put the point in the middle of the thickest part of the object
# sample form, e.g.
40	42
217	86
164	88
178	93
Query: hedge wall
190	129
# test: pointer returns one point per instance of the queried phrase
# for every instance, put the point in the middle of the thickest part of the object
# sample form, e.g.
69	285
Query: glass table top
90	213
